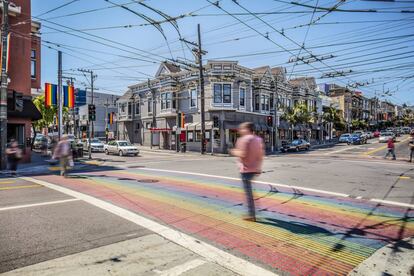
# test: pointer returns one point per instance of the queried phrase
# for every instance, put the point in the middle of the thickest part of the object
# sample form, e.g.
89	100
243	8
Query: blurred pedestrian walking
411	146
14	154
391	149
64	154
250	151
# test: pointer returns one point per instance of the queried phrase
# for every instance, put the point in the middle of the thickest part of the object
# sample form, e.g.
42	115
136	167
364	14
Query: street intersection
319	214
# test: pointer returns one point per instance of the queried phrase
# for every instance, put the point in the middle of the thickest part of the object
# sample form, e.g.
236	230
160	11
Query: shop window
190	136
198	136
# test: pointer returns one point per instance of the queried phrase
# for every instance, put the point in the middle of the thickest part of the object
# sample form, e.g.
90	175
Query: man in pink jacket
250	151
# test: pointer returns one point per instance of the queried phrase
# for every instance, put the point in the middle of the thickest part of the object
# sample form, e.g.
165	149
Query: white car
385	136
96	145
121	148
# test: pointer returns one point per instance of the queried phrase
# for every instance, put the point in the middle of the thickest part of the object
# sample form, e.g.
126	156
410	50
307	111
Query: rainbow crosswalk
300	234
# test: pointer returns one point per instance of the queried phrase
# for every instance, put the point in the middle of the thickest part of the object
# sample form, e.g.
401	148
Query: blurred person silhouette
63	153
250	151
411	146
391	149
14	154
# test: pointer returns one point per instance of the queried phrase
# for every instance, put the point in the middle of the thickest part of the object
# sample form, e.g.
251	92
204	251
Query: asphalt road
50	232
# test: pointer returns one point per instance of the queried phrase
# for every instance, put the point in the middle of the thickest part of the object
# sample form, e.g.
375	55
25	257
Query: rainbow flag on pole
69	96
111	118
50	94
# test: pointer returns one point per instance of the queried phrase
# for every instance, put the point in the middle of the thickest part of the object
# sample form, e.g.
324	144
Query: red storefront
23	73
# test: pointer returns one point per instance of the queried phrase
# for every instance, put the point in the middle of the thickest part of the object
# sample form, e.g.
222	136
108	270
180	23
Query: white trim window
193	98
264	100
222	93
137	108
242	97
150	105
166	99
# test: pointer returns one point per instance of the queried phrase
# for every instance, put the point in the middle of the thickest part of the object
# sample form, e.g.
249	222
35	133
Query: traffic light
216	122
92	112
270	121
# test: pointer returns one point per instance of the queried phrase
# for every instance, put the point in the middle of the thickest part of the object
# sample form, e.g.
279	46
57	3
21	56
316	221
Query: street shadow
298	228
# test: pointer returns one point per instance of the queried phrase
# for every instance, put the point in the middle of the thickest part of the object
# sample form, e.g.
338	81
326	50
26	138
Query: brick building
23	73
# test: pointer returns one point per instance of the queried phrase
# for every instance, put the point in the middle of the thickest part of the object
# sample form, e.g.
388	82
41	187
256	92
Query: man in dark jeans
250	151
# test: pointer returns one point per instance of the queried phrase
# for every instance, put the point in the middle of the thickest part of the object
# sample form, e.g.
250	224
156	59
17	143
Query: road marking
38	204
20	187
180	269
383	147
405	177
6	182
211	253
54	168
283	185
341	150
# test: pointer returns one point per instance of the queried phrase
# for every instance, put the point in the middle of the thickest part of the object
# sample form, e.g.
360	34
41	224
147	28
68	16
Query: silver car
121	148
96	145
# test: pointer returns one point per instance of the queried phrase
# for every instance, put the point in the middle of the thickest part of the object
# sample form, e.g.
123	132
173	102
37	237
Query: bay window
193	97
222	93
242	97
166	99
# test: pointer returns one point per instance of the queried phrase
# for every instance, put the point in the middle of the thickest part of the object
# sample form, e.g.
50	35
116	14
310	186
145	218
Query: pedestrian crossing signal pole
3	88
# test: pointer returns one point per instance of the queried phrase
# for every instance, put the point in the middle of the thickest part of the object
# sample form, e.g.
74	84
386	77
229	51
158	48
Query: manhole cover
147	180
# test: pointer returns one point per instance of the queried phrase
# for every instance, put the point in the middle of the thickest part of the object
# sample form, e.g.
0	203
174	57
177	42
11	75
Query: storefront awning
231	125
208	126
284	125
191	126
29	111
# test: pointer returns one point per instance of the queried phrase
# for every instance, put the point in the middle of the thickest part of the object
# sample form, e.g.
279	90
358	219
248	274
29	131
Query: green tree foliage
48	113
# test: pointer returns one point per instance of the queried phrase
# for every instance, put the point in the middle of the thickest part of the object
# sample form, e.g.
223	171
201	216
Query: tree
358	124
331	116
48	114
299	114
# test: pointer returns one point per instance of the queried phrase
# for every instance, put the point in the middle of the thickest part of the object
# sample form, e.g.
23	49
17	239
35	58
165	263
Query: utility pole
201	71
106	120
199	54
90	132
60	96
3	88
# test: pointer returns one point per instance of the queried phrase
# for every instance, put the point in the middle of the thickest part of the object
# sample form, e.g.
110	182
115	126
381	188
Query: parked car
344	138
370	135
121	148
296	145
40	141
362	133
406	130
357	138
386	135
96	145
377	133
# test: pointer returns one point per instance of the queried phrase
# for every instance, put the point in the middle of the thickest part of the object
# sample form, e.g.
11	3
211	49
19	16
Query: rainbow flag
69	96
50	94
110	118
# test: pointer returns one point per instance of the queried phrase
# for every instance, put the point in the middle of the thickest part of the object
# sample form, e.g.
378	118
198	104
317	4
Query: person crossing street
250	151
391	149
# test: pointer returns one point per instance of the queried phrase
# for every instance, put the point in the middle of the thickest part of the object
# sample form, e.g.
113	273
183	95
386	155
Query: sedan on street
357	138
344	138
296	145
121	148
96	145
385	136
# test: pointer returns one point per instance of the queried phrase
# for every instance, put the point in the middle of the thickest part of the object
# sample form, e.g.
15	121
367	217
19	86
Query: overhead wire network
382	34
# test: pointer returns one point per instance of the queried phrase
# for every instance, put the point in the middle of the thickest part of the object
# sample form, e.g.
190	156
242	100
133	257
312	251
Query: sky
374	50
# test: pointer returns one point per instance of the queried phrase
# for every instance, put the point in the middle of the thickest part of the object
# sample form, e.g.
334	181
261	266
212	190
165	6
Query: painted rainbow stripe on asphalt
299	234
